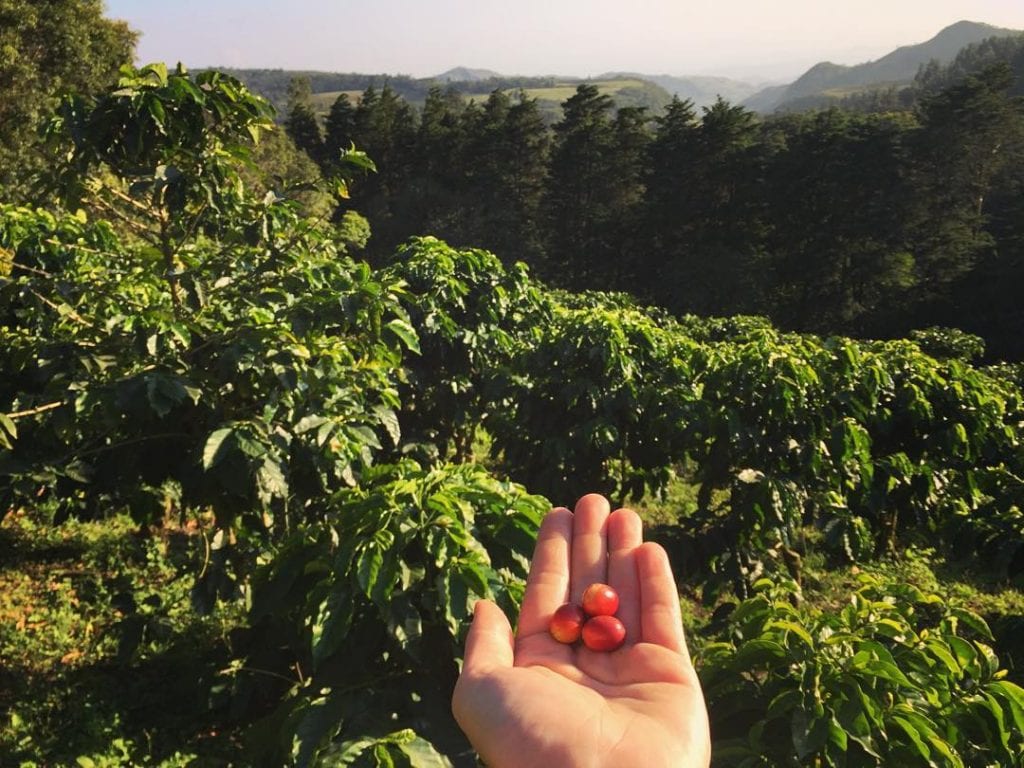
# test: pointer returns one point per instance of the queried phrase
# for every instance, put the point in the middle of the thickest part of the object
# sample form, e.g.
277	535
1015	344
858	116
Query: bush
896	677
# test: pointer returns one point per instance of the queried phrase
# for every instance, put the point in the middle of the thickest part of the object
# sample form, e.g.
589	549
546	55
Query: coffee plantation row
181	348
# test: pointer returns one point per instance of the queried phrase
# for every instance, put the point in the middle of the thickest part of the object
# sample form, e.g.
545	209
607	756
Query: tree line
828	221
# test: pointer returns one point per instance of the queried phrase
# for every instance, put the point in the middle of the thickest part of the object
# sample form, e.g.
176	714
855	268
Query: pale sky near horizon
750	39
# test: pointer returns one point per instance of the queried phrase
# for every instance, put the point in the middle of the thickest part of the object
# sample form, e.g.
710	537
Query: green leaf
421	754
794	628
382	754
406	334
837	735
915	738
320	722
389	420
214	443
331	625
952	759
377	567
352	749
272	480
8	426
756	653
972	620
1013	695
884	670
306	423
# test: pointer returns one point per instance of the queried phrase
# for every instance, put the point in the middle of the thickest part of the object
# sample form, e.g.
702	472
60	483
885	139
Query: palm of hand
531	701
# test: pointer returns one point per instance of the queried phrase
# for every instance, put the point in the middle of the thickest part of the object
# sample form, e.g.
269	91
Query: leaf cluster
895	677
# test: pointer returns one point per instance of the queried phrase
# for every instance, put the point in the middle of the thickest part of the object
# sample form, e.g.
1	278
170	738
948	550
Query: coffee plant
367	611
472	317
895	677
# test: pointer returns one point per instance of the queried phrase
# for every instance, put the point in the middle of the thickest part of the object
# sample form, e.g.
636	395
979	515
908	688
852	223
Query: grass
103	658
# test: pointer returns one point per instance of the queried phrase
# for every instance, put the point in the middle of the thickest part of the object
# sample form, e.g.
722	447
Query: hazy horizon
743	39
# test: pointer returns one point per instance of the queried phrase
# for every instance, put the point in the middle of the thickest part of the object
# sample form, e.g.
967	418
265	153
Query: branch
140	230
58	308
130	441
35	411
133	202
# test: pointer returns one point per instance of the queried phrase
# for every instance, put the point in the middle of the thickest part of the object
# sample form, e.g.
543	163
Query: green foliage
950	343
876	444
49	47
602	401
832	221
895	677
245	403
373	606
96	630
472	317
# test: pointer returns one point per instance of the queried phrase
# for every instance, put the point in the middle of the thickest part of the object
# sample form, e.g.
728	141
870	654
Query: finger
489	643
660	618
625	534
547	586
589	548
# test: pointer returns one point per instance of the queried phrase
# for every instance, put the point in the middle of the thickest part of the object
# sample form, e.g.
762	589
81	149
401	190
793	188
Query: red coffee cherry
567	623
603	633
600	600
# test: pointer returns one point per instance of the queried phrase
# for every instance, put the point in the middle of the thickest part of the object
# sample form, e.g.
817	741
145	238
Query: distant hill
894	69
466	75
703	91
272	84
476	84
549	93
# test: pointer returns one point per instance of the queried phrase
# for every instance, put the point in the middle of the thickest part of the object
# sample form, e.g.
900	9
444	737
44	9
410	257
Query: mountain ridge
898	67
824	81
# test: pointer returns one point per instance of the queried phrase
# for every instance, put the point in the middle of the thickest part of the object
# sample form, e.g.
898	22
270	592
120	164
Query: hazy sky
759	39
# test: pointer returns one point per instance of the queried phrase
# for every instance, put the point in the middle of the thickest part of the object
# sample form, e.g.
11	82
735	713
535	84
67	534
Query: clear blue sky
759	39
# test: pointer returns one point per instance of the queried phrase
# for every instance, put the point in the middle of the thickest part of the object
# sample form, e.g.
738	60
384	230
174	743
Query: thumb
489	643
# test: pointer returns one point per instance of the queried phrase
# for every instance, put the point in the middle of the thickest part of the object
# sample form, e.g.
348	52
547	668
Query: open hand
529	701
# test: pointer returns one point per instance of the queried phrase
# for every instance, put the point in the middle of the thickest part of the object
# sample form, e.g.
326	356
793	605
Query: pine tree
340	129
576	200
385	128
301	124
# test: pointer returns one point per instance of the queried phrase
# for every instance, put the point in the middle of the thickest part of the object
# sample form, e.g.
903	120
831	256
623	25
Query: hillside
625	92
896	68
703	91
823	83
550	92
272	84
466	75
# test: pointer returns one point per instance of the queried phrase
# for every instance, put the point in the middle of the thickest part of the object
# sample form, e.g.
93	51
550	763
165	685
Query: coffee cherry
567	623
600	600
603	633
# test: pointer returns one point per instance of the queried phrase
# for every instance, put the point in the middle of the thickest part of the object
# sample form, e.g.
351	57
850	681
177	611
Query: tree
340	128
520	150
176	172
440	204
47	48
705	211
505	157
302	124
839	257
969	134
672	155
385	129
627	165
576	201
